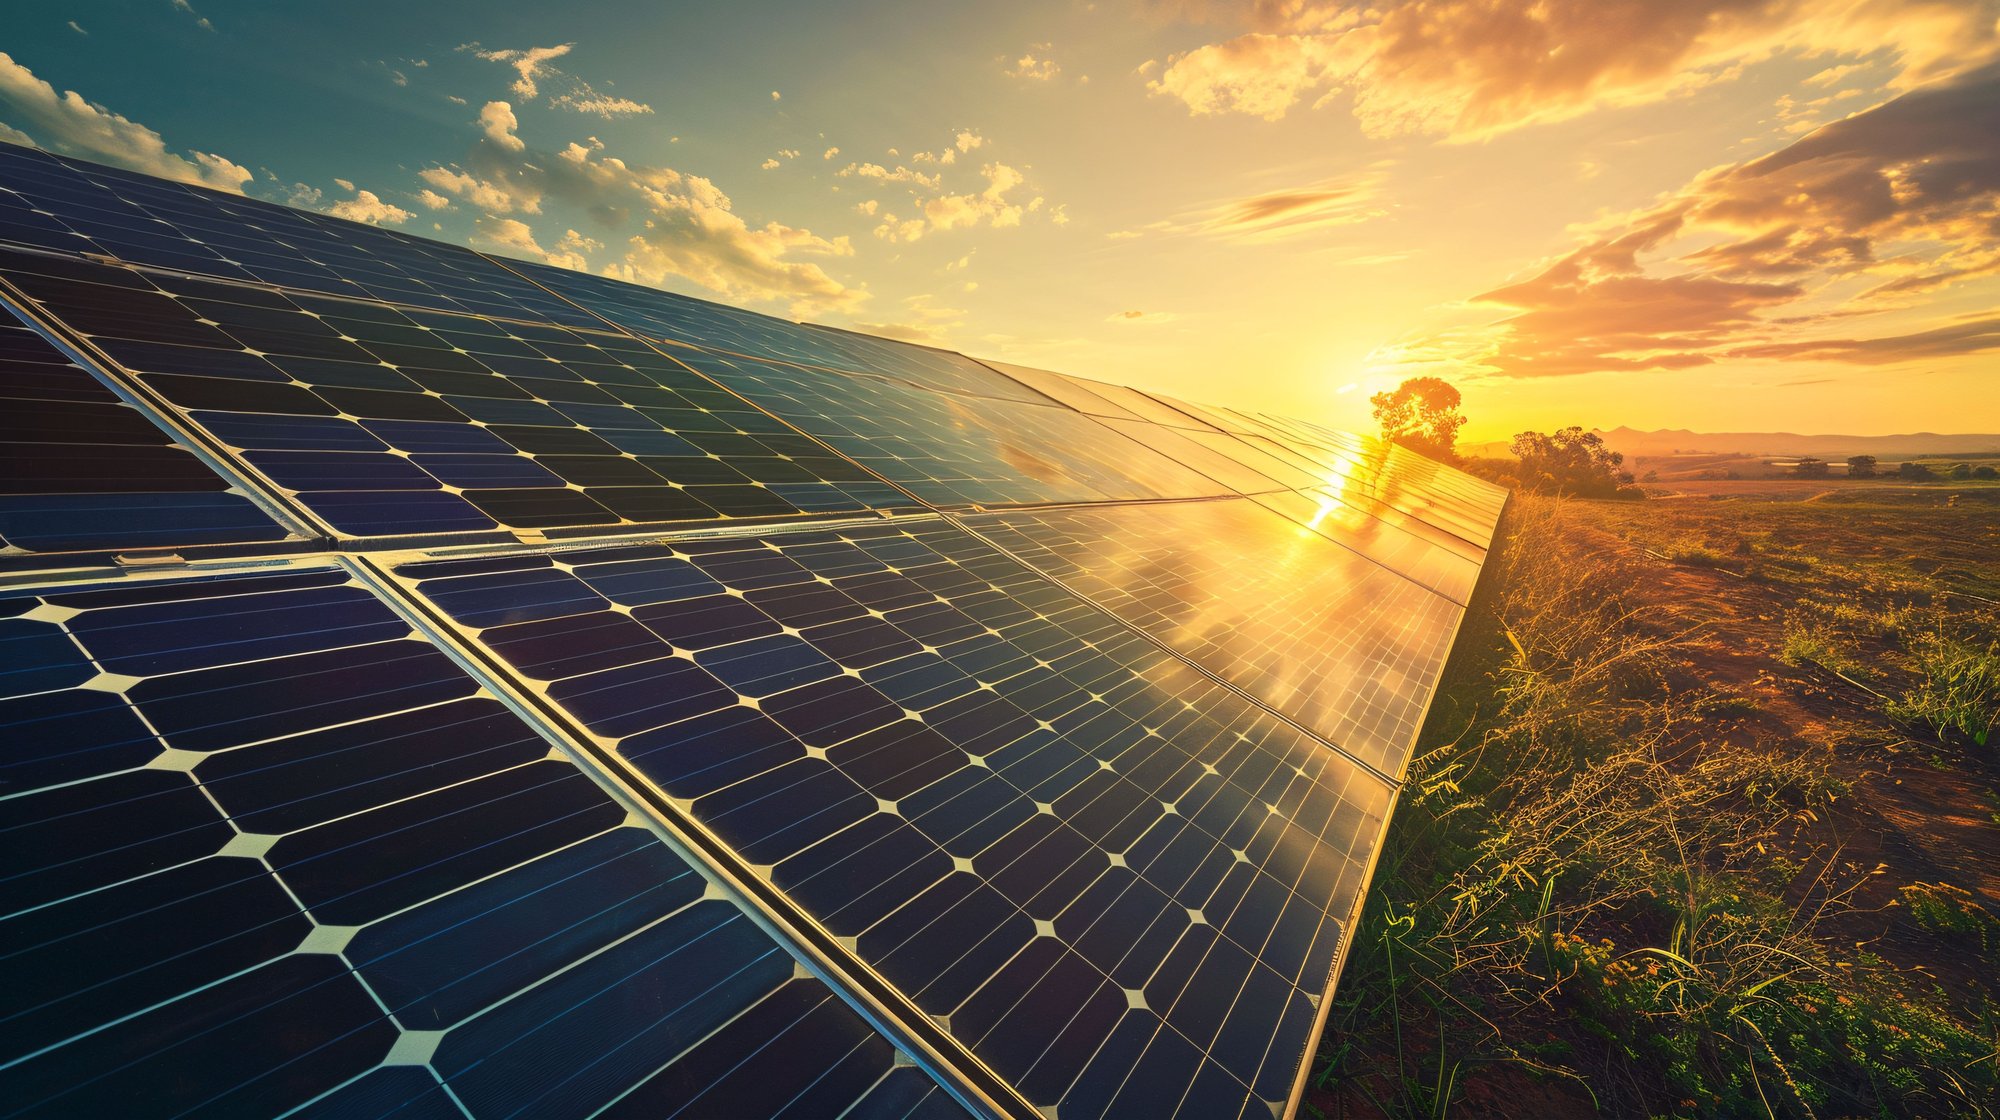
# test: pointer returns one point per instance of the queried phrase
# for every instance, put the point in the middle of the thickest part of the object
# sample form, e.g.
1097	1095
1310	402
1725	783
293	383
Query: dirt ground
1926	811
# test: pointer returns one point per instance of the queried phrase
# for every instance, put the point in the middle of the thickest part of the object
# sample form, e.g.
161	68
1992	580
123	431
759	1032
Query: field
1705	821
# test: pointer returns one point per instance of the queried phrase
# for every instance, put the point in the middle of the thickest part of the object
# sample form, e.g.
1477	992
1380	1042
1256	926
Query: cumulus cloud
1860	216
497	121
69	124
1470	69
686	226
365	206
432	200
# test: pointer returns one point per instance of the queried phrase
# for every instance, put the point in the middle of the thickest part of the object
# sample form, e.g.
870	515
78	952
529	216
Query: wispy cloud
533	66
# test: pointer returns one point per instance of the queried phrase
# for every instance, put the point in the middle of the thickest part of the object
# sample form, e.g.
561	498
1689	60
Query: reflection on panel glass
271	851
81	469
387	421
671	318
70	206
1115	882
953	450
1324	634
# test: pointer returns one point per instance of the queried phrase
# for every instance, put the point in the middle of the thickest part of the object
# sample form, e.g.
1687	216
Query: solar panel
272	849
1325	635
386	422
1063	845
81	470
667	317
452	686
74	207
952	450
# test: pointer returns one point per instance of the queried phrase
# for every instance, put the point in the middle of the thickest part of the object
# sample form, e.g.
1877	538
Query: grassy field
1705	821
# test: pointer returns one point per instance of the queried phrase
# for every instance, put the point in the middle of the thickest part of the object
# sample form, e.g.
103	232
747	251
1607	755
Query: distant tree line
1866	466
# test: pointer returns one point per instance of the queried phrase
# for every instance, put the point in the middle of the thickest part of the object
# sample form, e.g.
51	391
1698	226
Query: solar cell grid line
1070	850
668	317
385	422
82	471
72	206
952	450
1237	476
275	853
1381	539
1321	633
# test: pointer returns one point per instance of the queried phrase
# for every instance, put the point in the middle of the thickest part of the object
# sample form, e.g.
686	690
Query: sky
1723	215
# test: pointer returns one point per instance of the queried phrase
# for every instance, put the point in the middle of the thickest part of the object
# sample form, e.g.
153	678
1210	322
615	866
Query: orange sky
1714	214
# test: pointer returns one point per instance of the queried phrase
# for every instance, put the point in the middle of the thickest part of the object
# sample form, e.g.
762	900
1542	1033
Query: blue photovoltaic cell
270	851
952	450
389	422
80	469
70	206
670	318
1073	851
1326	635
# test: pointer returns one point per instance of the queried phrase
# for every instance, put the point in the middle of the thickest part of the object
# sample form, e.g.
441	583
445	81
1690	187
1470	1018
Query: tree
1985	472
1422	415
1571	461
1810	467
1861	466
1962	471
1914	472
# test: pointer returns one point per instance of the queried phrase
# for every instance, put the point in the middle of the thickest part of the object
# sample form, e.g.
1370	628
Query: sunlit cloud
1904	193
687	226
1470	69
532	68
70	124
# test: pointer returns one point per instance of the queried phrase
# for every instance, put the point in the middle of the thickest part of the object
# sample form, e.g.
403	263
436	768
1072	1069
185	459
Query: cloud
830	153
188	9
366	207
882	174
497	121
1858	217
1953	341
530	65
1032	68
584	99
1276	215
1141	318
74	26
74	126
532	70
686	226
433	200
1470	69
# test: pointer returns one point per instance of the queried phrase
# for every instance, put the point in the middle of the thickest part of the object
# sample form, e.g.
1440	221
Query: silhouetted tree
1985	472
1422	415
1861	466
1914	472
1809	467
1962	471
1571	461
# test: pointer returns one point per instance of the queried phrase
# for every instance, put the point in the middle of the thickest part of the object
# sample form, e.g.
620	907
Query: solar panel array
448	686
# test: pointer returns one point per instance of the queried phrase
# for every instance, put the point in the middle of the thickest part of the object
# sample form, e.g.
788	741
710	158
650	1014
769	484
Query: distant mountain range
1668	441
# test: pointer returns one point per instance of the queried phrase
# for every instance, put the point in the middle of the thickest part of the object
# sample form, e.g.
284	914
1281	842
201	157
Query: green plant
1957	691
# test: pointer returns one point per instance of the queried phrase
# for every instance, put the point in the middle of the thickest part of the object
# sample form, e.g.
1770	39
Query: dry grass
1593	881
